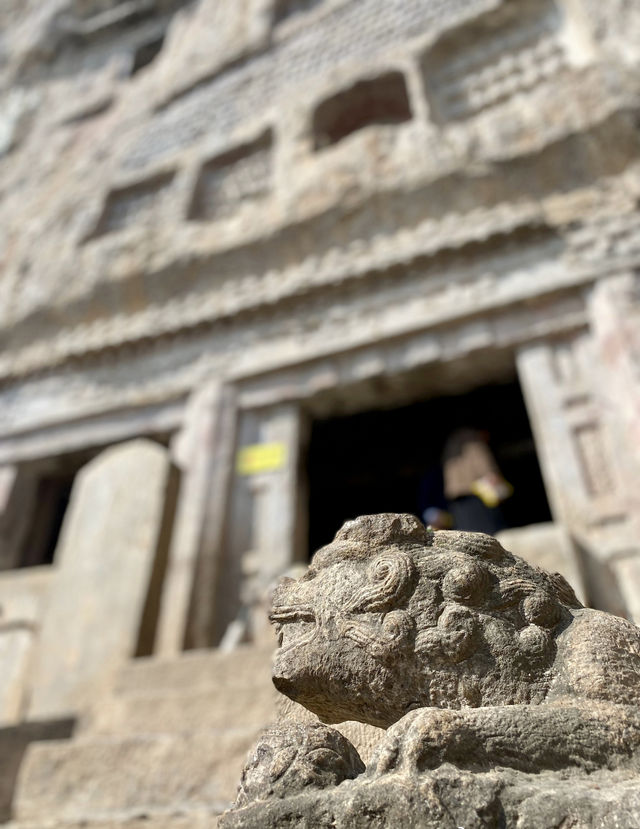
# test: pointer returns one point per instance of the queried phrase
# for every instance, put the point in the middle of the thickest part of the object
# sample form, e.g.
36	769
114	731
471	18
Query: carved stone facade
223	223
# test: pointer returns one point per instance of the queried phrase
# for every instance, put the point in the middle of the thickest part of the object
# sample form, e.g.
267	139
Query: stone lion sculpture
466	654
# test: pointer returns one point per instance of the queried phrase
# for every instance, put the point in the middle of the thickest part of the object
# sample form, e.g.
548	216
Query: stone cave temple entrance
375	460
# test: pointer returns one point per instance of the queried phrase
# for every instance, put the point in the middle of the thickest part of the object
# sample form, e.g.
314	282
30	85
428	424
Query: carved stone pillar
614	307
203	450
267	510
579	459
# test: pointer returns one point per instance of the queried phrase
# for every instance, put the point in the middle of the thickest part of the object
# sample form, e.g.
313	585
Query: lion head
393	616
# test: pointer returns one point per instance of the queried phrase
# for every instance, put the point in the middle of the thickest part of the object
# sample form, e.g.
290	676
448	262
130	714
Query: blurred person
473	485
432	506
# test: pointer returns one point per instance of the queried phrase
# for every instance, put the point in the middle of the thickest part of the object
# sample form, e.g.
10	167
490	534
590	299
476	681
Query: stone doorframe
251	526
225	528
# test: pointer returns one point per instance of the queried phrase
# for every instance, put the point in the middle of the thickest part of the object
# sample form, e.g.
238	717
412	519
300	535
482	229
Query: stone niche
235	178
380	100
501	701
133	204
486	61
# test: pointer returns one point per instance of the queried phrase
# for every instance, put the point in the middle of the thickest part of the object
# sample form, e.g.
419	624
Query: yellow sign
261	457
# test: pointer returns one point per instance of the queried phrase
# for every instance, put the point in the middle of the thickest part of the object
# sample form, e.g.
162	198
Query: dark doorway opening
31	525
52	499
376	461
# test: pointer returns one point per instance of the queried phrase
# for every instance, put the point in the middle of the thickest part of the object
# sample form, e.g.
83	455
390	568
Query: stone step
240	668
116	778
14	743
192	820
173	711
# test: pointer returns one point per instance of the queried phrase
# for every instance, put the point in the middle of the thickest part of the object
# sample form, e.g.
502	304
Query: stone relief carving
505	700
346	33
157	368
238	176
129	204
246	280
504	52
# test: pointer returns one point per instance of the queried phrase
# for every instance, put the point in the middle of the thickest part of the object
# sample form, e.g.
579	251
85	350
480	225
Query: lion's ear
391	577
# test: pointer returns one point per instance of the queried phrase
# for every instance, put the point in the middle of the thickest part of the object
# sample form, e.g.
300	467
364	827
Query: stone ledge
110	779
196	669
178	712
192	820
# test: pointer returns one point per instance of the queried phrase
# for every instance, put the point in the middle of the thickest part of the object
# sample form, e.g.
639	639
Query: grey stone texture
505	701
294	757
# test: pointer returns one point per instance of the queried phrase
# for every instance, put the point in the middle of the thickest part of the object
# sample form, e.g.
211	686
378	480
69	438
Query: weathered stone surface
505	701
447	619
362	736
193	820
450	799
292	757
24	593
182	111
104	563
203	450
167	741
226	691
